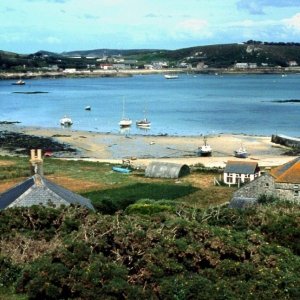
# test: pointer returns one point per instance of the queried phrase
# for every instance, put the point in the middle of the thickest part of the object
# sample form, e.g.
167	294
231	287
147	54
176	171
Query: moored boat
167	76
143	123
66	121
205	149
125	122
19	82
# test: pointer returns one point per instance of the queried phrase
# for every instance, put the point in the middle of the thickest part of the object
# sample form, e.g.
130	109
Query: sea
187	106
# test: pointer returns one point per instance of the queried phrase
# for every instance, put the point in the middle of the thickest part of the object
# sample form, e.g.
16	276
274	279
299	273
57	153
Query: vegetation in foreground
139	253
149	239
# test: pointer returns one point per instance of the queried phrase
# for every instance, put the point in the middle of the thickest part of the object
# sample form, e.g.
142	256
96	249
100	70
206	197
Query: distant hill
223	55
214	56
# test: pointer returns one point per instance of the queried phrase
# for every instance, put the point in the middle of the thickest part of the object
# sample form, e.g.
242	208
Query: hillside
213	56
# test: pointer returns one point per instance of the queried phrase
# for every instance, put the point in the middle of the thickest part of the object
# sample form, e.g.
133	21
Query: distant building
37	190
240	172
106	66
252	65
293	63
241	66
69	70
201	65
148	67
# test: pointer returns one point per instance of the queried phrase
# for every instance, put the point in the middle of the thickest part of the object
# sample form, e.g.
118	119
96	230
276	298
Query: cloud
90	17
256	7
52	40
151	16
293	23
193	25
54	1
192	29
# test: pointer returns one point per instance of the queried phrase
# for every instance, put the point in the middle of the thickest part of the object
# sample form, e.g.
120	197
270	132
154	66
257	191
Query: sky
27	26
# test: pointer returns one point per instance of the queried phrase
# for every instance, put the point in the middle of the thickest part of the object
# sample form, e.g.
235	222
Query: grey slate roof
240	167
12	194
38	190
67	195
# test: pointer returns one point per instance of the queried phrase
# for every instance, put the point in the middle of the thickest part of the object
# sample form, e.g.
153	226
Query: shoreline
133	72
142	149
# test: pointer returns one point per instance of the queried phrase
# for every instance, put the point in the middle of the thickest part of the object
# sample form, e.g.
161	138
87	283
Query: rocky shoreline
19	143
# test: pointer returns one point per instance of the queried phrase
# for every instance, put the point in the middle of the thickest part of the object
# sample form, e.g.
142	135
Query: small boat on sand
121	170
241	152
19	82
205	149
66	121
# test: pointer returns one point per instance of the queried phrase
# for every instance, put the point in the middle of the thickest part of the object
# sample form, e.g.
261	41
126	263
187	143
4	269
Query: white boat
205	149
88	108
241	152
66	121
125	122
145	123
167	76
19	82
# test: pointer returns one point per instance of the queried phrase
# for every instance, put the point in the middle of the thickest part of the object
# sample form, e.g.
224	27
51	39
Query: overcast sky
27	26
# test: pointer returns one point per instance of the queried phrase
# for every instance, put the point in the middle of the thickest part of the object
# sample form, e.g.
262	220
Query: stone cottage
37	190
282	182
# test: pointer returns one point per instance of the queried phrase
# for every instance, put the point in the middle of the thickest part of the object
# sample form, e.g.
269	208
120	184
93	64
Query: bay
189	105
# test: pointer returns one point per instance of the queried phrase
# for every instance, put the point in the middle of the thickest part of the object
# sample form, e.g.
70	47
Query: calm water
189	105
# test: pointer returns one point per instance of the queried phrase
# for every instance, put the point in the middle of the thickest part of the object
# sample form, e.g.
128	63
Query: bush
150	207
8	271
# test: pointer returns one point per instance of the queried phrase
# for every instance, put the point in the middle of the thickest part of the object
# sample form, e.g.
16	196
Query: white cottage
240	172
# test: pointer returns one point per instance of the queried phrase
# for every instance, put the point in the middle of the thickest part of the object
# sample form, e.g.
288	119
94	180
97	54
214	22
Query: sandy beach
142	149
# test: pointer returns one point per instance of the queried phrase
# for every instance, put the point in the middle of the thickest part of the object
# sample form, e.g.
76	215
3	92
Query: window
229	179
296	193
267	184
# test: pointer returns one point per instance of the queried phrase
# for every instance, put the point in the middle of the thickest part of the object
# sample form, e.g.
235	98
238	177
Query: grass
98	182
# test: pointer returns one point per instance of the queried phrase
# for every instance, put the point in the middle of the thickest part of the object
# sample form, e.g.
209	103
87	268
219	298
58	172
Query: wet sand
106	147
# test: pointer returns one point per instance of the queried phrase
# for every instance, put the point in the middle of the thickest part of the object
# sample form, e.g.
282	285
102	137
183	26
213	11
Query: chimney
36	162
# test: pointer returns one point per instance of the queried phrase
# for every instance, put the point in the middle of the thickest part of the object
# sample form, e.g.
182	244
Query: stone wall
263	185
288	191
286	141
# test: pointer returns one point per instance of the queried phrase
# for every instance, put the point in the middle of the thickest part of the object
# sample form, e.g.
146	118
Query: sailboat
66	121
143	123
125	122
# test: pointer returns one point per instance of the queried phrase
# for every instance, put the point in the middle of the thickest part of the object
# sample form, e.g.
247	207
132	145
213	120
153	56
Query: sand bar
142	149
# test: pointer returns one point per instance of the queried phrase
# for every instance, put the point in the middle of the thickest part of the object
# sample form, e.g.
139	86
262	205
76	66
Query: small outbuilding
166	170
240	172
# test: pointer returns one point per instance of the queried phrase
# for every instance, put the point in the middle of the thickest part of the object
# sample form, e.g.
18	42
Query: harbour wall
286	140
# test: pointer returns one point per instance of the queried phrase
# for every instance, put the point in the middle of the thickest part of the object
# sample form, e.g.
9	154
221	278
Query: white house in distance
240	172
